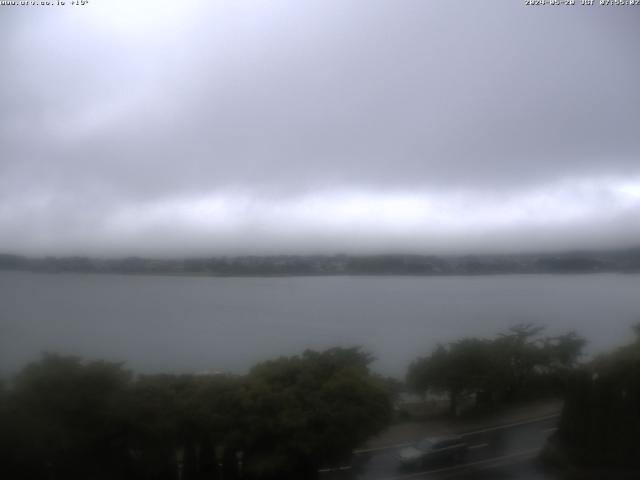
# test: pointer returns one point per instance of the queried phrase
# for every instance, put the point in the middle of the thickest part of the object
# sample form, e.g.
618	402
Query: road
503	452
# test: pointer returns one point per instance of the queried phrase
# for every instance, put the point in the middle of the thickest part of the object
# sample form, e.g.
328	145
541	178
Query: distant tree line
63	418
571	262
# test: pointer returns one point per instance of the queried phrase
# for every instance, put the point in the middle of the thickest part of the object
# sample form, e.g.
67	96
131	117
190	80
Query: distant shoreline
579	262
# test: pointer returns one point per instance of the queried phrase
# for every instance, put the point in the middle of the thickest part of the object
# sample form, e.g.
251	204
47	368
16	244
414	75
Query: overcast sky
231	127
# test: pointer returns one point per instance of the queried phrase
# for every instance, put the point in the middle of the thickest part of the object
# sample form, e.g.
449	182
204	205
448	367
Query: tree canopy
500	367
600	423
65	418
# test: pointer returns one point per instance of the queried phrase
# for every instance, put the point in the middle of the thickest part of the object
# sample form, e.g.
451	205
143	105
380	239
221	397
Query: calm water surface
198	323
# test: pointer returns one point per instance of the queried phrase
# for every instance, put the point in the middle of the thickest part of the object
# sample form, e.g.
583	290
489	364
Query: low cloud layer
171	128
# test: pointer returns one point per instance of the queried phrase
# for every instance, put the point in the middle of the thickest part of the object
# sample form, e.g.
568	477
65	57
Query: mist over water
193	324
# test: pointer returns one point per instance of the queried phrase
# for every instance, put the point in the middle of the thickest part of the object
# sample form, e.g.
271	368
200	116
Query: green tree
600	421
519	352
462	368
304	411
66	418
500	368
179	422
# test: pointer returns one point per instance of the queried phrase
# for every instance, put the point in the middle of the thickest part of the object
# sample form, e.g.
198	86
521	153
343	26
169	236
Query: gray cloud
120	121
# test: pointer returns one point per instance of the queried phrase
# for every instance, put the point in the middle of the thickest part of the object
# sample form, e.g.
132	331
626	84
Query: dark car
452	448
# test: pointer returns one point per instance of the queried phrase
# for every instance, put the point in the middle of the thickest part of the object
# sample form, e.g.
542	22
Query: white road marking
325	470
484	430
481	445
494	462
514	424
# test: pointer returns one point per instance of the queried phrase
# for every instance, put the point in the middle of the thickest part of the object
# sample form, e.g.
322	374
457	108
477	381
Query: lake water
183	324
